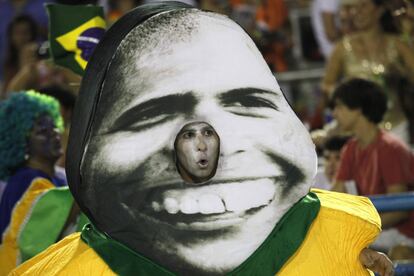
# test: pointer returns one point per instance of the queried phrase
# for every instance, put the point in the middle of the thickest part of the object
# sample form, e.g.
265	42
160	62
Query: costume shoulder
70	256
344	226
9	249
350	205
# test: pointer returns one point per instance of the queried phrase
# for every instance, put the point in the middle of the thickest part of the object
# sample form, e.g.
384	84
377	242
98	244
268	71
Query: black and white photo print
178	73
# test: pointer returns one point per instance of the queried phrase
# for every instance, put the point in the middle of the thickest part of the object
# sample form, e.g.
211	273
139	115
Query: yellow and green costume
322	234
36	223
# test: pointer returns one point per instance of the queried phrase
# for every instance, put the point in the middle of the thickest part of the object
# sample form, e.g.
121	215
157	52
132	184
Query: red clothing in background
385	162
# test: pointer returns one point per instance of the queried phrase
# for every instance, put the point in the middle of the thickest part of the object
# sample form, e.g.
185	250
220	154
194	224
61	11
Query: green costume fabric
54	204
282	242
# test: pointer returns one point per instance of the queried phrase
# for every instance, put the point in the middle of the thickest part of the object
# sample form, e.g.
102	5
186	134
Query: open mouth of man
202	163
209	207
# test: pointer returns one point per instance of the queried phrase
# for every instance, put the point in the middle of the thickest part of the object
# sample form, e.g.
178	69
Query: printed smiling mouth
210	207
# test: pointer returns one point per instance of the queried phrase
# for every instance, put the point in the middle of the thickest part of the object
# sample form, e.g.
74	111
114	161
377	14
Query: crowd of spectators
368	88
367	50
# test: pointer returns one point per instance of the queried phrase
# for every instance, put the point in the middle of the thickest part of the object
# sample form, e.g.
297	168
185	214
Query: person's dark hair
387	21
335	143
12	52
362	94
18	114
65	97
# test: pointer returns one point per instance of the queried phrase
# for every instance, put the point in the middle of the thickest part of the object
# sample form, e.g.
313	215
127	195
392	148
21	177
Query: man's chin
201	176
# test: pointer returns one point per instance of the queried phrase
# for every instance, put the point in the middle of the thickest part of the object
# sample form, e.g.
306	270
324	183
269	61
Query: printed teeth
216	199
189	206
211	204
171	205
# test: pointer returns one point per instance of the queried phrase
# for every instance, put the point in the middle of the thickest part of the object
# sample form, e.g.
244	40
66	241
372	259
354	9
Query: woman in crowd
403	13
373	52
21	49
30	125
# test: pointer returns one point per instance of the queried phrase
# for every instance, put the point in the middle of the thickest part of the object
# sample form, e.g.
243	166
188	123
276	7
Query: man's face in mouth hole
197	148
266	162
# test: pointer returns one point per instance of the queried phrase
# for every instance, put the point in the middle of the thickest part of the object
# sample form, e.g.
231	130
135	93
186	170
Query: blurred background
296	37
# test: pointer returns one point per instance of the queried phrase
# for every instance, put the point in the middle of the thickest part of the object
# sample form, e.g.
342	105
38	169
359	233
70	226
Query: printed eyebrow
248	97
234	93
167	105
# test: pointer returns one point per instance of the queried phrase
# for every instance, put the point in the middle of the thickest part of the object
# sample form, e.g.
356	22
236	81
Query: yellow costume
344	226
9	249
42	209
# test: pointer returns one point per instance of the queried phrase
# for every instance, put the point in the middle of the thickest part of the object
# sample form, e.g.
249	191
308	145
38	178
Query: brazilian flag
74	32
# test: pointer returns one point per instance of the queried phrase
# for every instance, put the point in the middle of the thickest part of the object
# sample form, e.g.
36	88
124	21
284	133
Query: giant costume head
156	70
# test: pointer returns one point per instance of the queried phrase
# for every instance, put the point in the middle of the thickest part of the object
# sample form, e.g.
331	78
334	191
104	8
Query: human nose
201	144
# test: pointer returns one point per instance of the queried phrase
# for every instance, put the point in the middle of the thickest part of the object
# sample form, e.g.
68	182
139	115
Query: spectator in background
274	33
244	13
347	16
22	35
399	105
331	155
67	103
29	145
267	22
378	162
403	12
406	99
12	8
39	72
325	25
372	51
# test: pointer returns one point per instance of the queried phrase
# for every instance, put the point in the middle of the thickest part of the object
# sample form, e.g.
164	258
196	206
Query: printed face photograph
205	69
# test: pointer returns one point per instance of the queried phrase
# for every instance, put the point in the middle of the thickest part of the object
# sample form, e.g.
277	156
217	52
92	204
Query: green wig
17	116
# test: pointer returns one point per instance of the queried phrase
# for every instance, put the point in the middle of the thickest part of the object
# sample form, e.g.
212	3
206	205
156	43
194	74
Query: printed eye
148	121
250	102
153	113
249	105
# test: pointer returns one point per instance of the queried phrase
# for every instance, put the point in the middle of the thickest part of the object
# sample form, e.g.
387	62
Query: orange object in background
273	15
